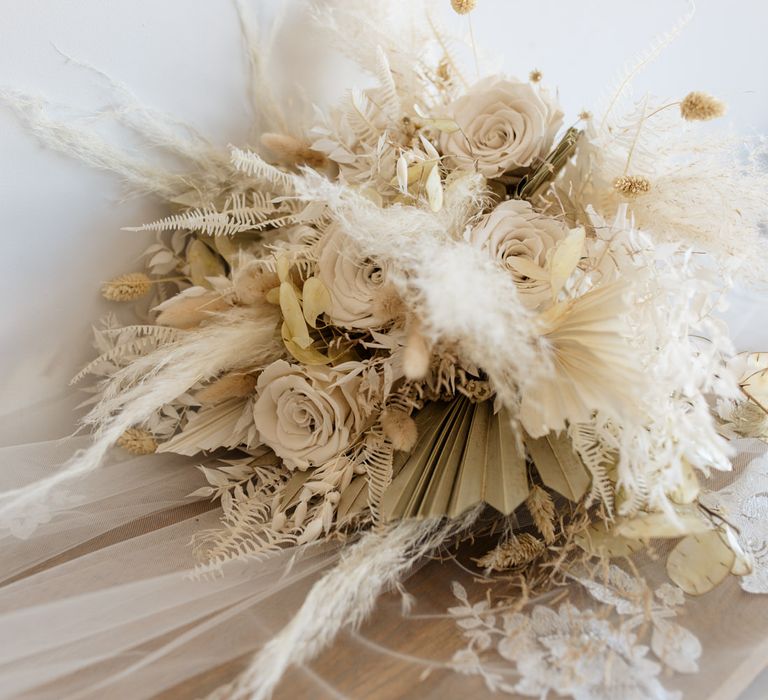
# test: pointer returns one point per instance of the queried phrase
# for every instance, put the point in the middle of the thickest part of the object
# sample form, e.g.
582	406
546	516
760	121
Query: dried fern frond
254	165
246	531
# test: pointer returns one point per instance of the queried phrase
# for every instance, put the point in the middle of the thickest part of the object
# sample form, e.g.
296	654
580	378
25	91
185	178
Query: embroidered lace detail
586	654
744	505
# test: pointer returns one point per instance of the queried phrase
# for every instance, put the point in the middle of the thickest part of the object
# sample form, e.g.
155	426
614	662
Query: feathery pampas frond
243	338
343	598
461	296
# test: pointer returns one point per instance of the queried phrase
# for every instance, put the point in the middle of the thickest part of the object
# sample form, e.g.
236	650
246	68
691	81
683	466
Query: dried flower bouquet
441	307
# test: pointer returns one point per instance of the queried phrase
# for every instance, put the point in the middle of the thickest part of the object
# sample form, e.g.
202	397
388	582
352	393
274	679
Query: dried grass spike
137	441
699	106
516	551
127	287
542	510
632	185
463	7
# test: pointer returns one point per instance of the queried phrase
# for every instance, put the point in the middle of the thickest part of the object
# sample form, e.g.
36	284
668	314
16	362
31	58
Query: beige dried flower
230	386
400	429
542	510
292	151
632	185
516	551
137	441
585	115
127	287
535	76
699	106
463	7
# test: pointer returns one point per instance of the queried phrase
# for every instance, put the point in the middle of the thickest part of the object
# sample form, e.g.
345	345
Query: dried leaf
651	525
565	259
434	189
315	300
558	465
308	355
699	562
203	263
402	174
598	540
294	316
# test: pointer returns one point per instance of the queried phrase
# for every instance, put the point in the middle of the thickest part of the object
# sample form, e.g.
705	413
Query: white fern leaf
359	113
389	101
254	165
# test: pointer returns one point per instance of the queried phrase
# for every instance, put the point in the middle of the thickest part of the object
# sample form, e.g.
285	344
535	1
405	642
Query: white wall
61	221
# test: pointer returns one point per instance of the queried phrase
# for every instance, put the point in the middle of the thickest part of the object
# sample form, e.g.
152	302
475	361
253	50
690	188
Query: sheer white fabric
98	596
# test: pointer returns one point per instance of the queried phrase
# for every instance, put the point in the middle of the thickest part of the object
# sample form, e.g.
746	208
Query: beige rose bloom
306	415
353	281
517	236
504	125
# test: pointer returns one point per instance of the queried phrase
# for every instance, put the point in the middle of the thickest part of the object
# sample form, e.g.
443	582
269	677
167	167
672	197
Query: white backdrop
61	221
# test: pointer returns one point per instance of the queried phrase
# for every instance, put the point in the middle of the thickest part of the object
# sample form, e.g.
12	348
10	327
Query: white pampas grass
241	339
460	295
344	597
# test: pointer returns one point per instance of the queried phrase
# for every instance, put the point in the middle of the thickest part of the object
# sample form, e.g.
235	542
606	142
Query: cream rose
504	125
516	235
353	281
306	415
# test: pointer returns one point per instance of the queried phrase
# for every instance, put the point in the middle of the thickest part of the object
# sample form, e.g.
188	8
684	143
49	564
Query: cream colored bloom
520	238
307	416
353	281
504	125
